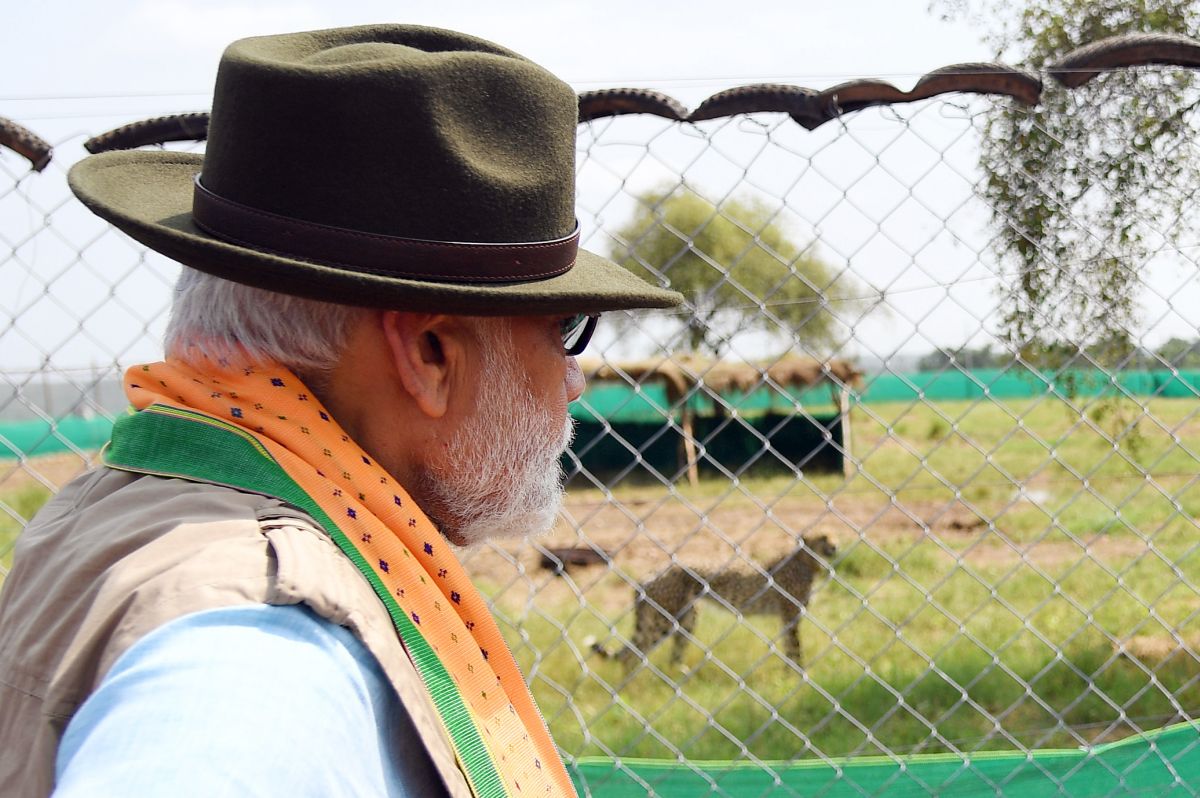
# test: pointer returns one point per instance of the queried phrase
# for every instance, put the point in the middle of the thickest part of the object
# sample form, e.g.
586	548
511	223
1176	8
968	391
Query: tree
1087	186
737	266
1181	353
965	357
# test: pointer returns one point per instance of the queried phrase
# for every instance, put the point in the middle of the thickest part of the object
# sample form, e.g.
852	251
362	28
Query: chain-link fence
846	506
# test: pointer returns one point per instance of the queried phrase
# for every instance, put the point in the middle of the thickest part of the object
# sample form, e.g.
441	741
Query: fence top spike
26	143
157	130
1131	49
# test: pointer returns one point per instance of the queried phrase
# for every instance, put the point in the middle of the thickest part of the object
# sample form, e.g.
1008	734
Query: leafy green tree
965	357
1088	185
1181	353
738	268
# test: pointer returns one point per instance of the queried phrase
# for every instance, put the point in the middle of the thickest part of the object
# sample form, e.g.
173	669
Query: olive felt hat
384	166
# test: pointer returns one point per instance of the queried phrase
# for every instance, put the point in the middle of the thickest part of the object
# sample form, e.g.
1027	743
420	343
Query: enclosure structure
1008	599
663	417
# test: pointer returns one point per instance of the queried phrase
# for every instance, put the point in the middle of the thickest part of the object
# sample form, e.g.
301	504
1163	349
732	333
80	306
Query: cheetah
666	605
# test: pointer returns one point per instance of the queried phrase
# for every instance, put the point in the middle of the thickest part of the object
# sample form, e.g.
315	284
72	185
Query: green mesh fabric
1156	763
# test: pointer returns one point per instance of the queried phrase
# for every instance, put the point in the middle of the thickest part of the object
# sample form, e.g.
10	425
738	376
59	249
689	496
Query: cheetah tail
598	648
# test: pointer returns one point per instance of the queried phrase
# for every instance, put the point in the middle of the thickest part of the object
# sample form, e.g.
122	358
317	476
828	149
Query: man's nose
575	380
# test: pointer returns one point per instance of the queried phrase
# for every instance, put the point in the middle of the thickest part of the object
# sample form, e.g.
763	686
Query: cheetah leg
645	621
687	626
791	634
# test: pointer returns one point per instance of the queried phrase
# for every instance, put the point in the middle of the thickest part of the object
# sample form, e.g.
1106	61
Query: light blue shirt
245	701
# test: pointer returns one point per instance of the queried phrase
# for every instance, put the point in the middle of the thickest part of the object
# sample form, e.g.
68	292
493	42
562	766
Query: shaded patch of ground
51	471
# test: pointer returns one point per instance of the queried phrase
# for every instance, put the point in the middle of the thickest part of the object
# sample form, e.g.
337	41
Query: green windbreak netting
647	404
35	438
1024	383
1166	760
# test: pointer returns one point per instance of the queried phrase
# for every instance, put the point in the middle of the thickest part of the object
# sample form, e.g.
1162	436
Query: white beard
500	475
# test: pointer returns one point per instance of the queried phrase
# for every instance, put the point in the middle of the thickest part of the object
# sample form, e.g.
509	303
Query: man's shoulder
116	553
154	500
107	517
117	532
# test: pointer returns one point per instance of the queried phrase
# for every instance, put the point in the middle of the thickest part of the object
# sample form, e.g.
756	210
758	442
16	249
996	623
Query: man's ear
427	351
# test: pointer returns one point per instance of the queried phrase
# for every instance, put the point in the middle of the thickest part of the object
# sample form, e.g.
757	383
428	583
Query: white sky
76	68
60	49
83	67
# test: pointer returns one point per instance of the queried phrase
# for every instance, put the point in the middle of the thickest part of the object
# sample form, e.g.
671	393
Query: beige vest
115	555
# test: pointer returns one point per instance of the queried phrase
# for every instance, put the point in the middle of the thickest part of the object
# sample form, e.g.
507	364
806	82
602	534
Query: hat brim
148	195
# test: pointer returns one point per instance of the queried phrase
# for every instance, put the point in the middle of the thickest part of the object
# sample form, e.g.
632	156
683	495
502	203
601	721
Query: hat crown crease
450	144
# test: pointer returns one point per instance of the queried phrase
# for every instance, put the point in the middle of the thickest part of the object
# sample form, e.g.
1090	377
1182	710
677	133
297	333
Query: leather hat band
419	259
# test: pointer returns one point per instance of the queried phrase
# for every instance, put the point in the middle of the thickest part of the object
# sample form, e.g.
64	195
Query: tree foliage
736	264
1181	353
1086	187
965	357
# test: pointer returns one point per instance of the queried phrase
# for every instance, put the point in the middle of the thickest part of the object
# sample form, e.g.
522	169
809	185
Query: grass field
20	503
1006	577
1019	574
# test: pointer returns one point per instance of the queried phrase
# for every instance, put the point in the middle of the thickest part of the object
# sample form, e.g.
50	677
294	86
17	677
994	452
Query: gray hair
213	318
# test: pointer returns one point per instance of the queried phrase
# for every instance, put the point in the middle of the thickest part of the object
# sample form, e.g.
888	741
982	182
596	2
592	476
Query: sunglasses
576	331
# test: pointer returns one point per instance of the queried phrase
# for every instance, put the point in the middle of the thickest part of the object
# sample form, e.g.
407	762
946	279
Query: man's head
469	413
389	210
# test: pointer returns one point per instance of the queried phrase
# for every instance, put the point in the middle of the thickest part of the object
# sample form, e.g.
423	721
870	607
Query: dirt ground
644	535
51	471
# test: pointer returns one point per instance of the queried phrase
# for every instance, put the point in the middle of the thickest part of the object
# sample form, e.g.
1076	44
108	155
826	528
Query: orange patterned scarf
490	717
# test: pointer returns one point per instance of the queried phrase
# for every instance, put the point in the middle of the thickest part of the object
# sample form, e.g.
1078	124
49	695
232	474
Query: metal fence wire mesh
936	536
